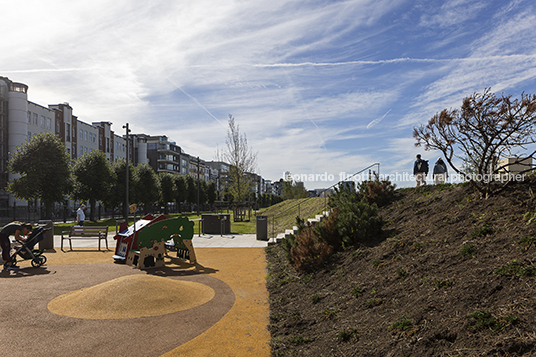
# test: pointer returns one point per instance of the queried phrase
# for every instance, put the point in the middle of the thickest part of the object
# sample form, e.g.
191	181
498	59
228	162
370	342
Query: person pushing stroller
18	229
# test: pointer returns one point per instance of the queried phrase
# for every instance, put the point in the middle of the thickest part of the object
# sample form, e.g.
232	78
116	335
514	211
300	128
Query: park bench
89	232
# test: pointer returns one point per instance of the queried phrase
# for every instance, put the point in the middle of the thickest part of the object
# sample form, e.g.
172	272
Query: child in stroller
27	251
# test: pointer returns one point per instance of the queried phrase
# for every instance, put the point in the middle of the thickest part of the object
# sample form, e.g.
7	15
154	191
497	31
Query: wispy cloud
316	86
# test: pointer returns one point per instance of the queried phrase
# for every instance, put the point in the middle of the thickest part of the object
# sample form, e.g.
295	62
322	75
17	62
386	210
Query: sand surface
131	296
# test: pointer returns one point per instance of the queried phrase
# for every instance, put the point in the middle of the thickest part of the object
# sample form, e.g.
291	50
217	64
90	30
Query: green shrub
315	298
485	320
403	323
401	273
440	284
287	243
377	192
358	222
331	313
373	302
468	250
352	221
527	241
515	268
482	231
356	291
347	335
300	340
309	253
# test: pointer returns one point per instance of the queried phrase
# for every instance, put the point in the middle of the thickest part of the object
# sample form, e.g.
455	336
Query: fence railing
325	193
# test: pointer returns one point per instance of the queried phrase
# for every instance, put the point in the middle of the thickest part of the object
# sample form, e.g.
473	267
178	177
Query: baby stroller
27	251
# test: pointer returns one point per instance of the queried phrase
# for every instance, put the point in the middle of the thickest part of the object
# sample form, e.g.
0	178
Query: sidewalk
198	241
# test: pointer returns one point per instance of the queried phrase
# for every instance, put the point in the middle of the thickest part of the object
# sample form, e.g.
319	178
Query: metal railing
273	218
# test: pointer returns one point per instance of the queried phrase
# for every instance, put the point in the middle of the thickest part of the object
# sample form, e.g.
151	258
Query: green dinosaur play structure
152	236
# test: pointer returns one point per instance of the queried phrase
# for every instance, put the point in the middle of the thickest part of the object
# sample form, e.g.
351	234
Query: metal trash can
216	223
48	240
262	227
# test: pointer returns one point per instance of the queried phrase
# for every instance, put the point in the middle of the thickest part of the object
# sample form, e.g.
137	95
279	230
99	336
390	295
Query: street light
198	185
126	168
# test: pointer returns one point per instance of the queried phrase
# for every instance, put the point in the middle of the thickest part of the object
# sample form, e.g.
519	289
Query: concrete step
294	230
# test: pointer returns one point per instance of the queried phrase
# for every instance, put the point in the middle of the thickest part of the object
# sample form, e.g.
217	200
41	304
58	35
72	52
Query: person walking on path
80	215
440	172
420	170
17	229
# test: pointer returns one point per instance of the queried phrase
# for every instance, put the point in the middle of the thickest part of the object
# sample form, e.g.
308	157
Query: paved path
198	241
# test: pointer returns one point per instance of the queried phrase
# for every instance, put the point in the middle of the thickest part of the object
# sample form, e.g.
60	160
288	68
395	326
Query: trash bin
262	227
48	240
216	223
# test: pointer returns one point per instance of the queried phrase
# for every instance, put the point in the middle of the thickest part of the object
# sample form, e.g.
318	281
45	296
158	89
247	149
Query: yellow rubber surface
243	330
131	296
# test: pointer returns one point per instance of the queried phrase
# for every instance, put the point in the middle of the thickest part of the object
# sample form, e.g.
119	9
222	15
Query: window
29	136
67	132
81	134
29	117
85	135
35	118
49	124
42	121
81	149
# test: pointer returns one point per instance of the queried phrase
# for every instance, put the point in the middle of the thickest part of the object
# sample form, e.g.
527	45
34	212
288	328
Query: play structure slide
144	243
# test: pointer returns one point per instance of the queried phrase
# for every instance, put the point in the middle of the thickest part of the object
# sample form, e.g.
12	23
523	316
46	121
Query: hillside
453	275
285	213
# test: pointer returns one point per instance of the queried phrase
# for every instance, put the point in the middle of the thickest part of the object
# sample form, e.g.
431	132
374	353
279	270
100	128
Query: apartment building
21	119
163	154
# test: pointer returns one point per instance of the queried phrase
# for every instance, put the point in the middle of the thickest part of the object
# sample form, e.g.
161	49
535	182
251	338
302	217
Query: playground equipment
144	243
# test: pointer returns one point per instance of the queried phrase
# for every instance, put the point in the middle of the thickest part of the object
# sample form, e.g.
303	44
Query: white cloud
311	83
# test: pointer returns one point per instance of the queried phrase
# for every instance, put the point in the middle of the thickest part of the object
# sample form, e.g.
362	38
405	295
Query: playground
202	300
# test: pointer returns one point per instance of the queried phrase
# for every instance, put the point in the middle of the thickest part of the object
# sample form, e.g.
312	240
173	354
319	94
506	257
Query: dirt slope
410	292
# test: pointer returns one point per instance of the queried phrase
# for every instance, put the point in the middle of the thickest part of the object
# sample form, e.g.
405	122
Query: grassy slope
283	215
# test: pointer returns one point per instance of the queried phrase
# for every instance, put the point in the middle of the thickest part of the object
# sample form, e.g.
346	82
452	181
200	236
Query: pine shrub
309	253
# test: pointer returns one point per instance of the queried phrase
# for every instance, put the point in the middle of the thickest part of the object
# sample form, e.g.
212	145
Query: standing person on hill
440	171
17	229
420	170
80	215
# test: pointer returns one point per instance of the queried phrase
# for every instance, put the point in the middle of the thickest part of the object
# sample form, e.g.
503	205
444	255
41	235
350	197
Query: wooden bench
89	232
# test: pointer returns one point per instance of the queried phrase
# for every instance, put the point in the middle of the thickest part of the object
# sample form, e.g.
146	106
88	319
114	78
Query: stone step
294	230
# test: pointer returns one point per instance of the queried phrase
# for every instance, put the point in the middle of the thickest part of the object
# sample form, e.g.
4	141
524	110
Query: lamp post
198	185
126	174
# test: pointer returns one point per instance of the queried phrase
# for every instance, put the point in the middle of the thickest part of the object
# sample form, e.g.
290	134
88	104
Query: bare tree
486	129
243	162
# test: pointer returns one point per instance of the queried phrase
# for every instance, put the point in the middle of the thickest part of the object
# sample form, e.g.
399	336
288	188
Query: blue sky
318	87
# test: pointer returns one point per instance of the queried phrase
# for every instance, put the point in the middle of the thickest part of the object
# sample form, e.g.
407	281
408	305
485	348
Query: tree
242	162
191	193
211	192
484	130
146	184
167	189
293	189
93	179
43	166
118	188
203	187
181	190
